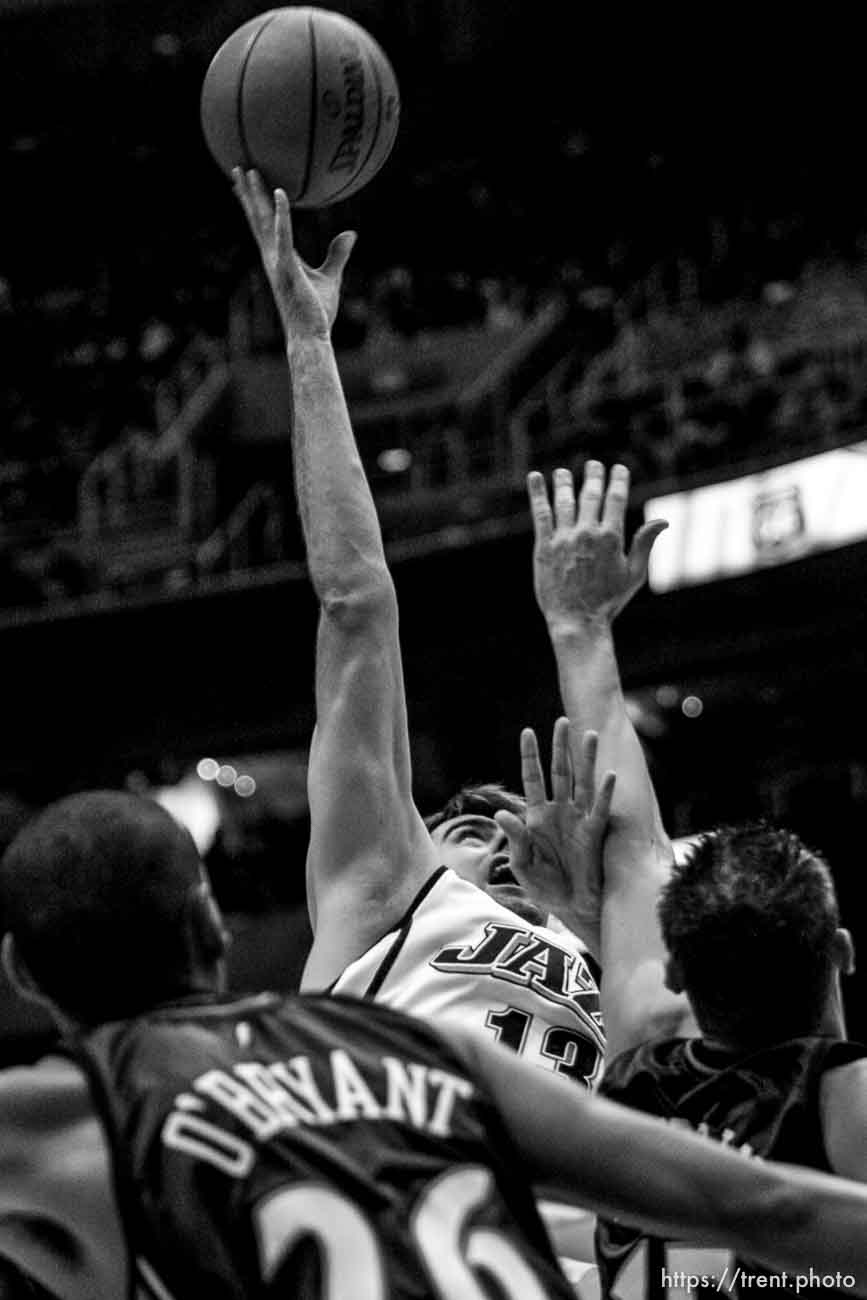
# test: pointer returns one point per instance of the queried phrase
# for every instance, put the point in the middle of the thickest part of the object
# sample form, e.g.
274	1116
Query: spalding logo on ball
305	96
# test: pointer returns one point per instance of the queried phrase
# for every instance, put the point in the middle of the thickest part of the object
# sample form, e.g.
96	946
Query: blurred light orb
394	460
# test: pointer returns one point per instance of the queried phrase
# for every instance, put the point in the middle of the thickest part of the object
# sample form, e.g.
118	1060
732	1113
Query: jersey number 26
453	1256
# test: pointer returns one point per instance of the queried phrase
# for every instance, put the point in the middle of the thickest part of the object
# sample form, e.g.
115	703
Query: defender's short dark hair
749	917
93	890
482	800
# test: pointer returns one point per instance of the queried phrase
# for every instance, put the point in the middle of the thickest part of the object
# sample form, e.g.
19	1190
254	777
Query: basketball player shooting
411	917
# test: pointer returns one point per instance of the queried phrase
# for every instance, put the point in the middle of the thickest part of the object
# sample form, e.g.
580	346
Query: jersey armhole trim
150	1284
403	928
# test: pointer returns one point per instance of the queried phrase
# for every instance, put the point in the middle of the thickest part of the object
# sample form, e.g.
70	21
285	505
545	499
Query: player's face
477	850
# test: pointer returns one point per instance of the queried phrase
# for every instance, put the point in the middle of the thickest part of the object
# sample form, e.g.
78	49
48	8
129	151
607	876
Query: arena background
612	238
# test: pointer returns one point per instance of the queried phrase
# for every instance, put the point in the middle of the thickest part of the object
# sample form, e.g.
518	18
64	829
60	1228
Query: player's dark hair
749	917
481	800
94	891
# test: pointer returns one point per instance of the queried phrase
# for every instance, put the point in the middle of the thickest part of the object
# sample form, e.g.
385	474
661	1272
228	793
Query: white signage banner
761	519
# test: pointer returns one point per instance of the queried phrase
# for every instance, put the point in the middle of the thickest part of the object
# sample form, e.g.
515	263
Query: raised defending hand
581	572
557	855
307	298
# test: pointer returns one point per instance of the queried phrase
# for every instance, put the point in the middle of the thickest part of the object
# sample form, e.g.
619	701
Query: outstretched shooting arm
369	849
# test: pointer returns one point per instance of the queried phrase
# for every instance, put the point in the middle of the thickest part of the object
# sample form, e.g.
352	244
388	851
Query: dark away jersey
765	1105
312	1147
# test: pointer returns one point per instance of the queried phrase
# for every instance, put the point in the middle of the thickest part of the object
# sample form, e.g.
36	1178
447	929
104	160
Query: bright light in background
195	805
692	707
197	801
226	776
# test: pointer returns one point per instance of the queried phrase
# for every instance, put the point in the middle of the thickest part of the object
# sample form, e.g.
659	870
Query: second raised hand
581	570
557	854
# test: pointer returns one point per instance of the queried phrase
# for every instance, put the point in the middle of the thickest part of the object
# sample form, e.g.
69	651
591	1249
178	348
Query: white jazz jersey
459	955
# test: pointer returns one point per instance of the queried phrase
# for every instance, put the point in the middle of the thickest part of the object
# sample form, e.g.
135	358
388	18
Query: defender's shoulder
36	1098
846	1084
843	1103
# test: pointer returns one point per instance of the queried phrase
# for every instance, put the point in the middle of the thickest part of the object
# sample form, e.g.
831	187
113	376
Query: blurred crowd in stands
406	303
125	273
671	383
690	385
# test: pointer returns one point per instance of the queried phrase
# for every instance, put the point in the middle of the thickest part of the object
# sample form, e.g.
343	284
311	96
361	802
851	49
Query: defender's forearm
345	552
673	1183
637	856
593	698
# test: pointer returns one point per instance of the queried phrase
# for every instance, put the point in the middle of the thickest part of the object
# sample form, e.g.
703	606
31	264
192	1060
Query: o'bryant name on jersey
270	1099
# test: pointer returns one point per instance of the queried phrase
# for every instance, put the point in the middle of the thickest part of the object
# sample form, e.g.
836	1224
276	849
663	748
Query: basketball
305	96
